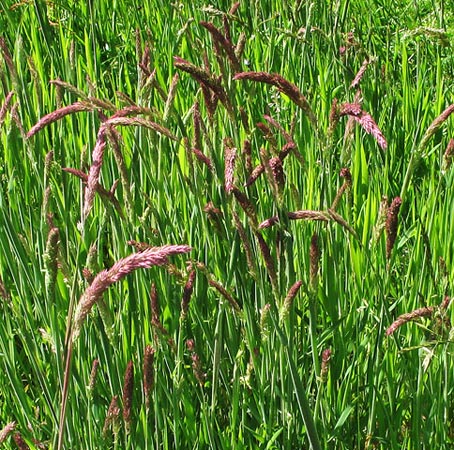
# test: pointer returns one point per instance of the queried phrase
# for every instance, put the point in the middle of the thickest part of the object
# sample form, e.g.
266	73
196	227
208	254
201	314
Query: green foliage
244	367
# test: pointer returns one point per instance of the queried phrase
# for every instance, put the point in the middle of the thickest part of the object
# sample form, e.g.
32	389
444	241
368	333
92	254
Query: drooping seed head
407	317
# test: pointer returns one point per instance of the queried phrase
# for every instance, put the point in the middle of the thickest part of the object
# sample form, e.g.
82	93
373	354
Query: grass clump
244	156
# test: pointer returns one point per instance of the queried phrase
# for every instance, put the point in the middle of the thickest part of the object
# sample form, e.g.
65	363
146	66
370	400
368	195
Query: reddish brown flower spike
229	165
6	431
407	317
20	442
148	373
128	388
314	256
391	225
278	172
187	293
326	357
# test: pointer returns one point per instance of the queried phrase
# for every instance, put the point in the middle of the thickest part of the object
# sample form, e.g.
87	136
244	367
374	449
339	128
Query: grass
259	337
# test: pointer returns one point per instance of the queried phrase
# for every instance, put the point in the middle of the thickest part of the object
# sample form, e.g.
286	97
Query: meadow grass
267	190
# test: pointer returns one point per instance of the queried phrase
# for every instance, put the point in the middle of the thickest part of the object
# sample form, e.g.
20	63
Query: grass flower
170	97
6	431
226	294
246	243
51	261
391	225
155	310
434	127
297	215
112	417
246	153
20	442
448	156
314	258
197	369
104	193
203	158
360	74
204	79
57	115
324	369
229	165
224	42
263	324
155	256
148	373
187	293
284	86
128	390
3	291
268	259
245	204
197	121
93	374
365	120
95	170
407	317
344	173
288	301
5	107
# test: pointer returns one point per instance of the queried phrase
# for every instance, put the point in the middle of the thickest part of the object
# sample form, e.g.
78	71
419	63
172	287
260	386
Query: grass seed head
5	107
20	442
245	204
197	120
247	155
93	374
277	170
203	158
246	244
229	165
8	60
3	291
128	389
268	259
187	293
57	115
154	256
111	421
6	431
288	301
434	126
448	156
407	317
333	116
324	369
264	318
51	261
197	369
314	258
258	170
223	42
380	222
148	373
95	170
226	294
170	97
360	74
391	225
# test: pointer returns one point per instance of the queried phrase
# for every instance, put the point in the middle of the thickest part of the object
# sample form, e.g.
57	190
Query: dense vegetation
226	226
